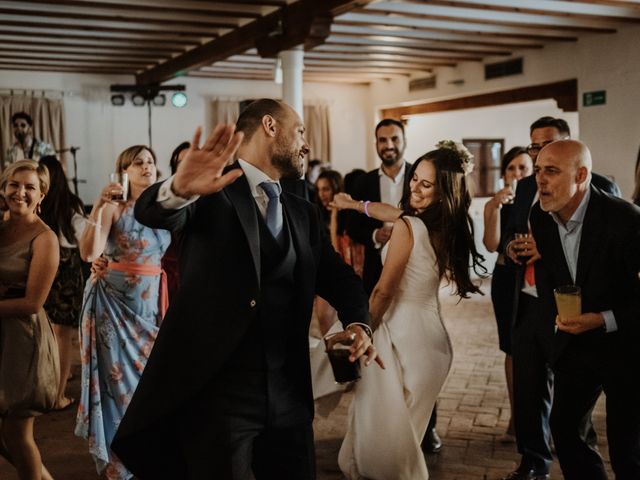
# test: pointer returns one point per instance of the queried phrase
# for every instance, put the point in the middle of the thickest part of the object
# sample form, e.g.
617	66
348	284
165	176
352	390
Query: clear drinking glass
337	345
121	194
513	184
568	301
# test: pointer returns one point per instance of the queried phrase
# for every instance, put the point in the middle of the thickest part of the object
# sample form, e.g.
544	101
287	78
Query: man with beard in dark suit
226	392
591	240
385	184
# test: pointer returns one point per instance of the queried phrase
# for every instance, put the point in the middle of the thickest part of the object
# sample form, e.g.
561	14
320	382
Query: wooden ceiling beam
175	23
194	34
57	68
422	51
98	46
94	53
538	10
278	30
49	59
202	9
564	92
489	22
413	42
469	33
401	53
611	3
142	42
382	57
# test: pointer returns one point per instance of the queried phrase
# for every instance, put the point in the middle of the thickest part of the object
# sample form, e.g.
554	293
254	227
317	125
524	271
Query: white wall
102	130
509	122
608	62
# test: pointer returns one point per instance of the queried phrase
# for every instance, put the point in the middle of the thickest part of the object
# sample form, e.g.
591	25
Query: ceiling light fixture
179	99
138	99
159	100
117	100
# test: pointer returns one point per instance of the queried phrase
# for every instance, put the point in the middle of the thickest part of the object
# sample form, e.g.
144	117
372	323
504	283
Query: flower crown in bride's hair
464	155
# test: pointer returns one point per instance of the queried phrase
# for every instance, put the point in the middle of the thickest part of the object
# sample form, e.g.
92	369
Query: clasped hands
201	170
361	345
580	323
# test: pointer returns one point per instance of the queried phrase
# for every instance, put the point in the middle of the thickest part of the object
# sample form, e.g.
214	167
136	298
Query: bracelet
364	326
92	222
366	208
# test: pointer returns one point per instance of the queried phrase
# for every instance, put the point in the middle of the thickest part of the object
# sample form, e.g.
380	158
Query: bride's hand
342	201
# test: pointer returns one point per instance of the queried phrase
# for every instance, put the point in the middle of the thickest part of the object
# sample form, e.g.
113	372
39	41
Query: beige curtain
316	120
48	120
222	110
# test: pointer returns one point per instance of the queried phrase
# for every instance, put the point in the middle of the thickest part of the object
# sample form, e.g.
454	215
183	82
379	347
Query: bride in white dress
432	238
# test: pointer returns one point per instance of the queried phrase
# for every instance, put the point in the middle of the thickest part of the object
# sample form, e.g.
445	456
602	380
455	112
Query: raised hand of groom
201	170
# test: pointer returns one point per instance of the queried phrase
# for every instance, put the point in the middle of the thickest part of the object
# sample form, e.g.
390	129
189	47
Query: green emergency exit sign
590	99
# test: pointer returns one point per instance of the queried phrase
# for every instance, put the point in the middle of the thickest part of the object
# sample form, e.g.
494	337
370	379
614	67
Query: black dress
502	289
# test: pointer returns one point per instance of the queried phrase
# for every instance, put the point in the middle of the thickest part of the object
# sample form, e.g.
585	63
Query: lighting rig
150	95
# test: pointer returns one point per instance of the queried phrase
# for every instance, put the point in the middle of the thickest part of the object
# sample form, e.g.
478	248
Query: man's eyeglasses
536	147
20	125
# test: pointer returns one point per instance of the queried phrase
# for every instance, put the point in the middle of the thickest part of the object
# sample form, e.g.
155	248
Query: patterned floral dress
119	324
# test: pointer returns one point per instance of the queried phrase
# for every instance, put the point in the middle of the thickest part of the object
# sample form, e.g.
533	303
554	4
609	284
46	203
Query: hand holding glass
568	301
120	194
337	345
512	186
520	246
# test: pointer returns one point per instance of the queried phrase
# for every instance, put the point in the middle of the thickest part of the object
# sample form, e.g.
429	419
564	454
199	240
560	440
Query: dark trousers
532	384
433	419
228	434
580	376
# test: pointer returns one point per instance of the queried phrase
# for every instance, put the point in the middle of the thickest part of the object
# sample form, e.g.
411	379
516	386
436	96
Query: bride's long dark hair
448	221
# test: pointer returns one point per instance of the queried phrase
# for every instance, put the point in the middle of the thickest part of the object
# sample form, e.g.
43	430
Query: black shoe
524	475
431	442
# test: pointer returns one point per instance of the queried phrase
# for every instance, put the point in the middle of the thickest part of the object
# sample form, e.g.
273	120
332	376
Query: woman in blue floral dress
123	307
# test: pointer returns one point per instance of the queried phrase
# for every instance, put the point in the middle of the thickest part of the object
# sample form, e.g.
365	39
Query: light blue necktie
274	207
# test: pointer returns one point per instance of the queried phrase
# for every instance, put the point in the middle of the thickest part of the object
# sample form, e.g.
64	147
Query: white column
292	66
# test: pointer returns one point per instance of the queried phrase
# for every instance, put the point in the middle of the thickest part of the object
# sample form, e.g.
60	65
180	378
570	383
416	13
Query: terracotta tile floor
473	412
473	408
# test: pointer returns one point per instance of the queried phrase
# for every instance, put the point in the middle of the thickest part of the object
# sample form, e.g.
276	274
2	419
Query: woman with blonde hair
122	309
29	369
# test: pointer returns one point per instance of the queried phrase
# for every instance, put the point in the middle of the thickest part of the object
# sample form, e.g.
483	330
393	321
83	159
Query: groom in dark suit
226	392
592	240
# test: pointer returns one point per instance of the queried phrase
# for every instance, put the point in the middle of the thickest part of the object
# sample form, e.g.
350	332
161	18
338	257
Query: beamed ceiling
345	40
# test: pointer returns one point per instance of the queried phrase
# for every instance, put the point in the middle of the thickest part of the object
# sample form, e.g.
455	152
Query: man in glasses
25	145
532	337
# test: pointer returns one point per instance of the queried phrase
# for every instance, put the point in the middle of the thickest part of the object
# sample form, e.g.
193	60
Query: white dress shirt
390	191
169	200
570	236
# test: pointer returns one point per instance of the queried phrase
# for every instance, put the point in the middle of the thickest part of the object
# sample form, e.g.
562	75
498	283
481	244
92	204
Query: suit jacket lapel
298	226
561	267
239	193
591	233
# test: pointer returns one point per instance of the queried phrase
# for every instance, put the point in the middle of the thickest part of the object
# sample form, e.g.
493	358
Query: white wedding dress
392	407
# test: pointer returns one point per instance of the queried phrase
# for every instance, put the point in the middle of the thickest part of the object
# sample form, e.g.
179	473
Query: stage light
117	100
160	100
179	99
138	99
